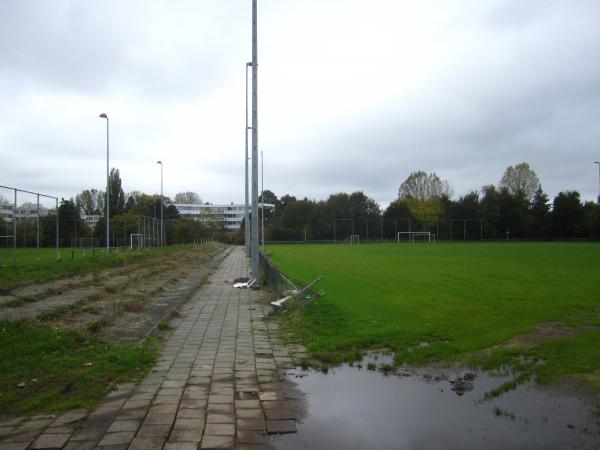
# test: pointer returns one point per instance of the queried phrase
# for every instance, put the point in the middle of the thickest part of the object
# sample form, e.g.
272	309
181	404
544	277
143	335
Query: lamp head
104	116
159	162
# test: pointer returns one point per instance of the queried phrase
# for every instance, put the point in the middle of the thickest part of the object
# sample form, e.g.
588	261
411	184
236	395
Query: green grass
52	364
459	298
28	270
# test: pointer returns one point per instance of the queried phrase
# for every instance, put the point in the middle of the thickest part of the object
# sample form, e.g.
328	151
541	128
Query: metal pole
254	247
107	215
57	251
598	162
334	230
162	223
247	207
15	232
37	231
262	196
107	192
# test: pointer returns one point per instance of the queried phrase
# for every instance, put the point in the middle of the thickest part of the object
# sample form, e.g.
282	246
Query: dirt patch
544	332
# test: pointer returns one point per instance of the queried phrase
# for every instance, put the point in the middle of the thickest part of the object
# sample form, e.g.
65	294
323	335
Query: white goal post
409	236
352	239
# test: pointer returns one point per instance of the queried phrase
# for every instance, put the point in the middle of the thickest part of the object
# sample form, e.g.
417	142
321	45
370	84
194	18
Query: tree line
515	208
130	213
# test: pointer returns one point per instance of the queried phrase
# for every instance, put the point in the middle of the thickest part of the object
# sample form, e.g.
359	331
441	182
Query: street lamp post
247	208
162	223
107	215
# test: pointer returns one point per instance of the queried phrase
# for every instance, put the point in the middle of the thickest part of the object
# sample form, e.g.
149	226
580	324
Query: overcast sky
353	94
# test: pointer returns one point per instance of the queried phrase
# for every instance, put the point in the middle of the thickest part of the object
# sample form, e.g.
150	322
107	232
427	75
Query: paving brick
189	424
22	436
281	426
252	437
80	445
279	414
219	429
251	424
249	414
186	435
88	433
124	425
159	419
147	443
50	441
189	413
220	418
180	445
220	408
13	445
148	430
210	441
247	404
119	438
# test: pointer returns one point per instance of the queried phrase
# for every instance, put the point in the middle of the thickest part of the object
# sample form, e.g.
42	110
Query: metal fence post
15	232
37	238
57	251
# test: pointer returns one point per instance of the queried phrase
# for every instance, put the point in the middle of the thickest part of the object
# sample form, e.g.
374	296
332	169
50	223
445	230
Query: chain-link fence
373	230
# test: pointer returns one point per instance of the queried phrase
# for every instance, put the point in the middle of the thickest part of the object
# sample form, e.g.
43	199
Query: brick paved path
215	385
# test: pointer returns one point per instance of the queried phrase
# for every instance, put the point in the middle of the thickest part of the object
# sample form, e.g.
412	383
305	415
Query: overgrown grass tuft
63	369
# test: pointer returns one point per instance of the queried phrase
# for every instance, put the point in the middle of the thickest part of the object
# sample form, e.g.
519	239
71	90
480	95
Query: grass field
72	262
450	302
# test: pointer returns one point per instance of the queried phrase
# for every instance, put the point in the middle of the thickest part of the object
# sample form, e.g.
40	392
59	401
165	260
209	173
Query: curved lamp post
162	226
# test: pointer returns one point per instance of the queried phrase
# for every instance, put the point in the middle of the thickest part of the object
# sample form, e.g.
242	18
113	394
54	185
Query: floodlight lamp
104	116
159	162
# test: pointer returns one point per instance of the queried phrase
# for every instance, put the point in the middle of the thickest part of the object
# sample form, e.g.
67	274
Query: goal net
416	236
352	239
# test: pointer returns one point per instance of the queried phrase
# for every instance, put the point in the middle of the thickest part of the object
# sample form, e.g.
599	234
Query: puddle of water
353	408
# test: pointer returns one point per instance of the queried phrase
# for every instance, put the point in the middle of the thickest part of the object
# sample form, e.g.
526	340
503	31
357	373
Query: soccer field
447	302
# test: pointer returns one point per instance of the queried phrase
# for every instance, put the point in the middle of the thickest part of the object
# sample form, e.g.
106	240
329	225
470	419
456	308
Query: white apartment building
91	219
30	210
231	215
6	210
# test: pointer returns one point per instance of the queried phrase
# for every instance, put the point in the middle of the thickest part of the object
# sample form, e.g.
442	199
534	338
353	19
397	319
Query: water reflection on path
352	408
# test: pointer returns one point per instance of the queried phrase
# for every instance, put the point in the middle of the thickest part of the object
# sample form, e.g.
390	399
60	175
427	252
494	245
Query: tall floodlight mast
247	206
254	229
